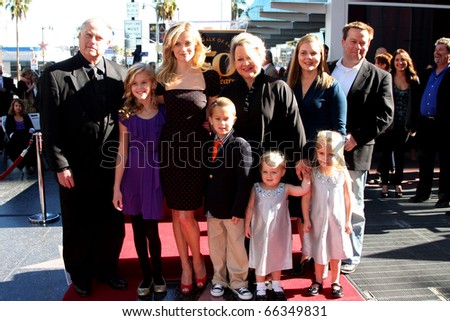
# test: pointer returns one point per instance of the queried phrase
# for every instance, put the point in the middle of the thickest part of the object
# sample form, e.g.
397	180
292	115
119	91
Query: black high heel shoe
384	191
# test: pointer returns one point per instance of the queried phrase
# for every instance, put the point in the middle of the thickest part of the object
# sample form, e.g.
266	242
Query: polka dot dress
182	173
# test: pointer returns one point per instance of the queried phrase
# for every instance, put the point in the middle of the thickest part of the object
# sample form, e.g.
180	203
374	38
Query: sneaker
217	290
348	268
243	293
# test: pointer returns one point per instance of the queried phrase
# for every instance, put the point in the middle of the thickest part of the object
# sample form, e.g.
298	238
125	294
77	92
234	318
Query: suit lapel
110	73
360	79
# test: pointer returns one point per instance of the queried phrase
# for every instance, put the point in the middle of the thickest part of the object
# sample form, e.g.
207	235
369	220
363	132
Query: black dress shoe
418	199
305	265
442	204
117	283
336	290
315	289
82	288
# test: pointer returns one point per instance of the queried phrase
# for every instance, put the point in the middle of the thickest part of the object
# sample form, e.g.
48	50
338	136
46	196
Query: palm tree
166	9
236	8
18	9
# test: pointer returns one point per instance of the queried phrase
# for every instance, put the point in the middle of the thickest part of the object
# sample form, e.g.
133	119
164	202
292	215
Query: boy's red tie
216	147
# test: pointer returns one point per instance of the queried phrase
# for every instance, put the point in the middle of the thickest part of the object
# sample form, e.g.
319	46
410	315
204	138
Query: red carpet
294	287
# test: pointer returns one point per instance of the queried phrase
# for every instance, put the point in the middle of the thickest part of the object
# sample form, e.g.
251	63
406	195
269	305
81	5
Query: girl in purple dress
137	188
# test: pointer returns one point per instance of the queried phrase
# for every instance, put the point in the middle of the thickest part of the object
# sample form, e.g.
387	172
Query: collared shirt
225	139
428	104
100	67
346	76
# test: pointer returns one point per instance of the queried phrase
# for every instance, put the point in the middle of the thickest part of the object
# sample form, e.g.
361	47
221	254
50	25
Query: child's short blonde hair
222	102
274	159
335	142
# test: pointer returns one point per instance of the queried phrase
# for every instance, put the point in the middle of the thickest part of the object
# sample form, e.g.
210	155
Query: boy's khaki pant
227	252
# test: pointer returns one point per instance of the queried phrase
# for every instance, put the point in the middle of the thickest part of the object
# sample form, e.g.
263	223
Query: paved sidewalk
406	253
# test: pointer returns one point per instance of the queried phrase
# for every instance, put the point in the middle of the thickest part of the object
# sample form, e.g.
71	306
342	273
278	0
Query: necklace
148	113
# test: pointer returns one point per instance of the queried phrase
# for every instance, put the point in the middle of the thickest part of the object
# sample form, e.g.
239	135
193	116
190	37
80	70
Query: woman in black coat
19	130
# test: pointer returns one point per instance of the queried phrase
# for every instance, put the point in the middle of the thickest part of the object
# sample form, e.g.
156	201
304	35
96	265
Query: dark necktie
93	73
216	147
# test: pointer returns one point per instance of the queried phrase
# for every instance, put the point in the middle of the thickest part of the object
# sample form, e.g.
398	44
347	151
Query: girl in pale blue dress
268	224
327	212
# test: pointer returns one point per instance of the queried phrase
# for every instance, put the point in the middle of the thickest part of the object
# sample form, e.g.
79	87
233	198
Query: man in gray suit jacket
80	98
370	109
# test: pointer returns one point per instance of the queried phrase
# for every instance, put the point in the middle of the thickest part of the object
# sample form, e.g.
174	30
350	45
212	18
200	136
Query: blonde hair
131	105
324	80
333	141
273	158
245	38
166	73
222	102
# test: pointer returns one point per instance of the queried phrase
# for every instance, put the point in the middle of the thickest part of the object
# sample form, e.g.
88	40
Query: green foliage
18	8
237	8
166	9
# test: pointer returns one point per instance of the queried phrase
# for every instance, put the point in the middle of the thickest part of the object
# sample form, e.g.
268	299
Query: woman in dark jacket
19	130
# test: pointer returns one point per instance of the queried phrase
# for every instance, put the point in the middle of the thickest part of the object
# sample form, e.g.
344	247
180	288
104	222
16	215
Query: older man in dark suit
79	102
370	108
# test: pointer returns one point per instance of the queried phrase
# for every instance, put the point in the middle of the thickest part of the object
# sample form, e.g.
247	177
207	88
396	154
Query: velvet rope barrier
17	161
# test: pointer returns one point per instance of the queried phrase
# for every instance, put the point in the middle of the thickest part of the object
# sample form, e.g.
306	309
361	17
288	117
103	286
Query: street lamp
43	45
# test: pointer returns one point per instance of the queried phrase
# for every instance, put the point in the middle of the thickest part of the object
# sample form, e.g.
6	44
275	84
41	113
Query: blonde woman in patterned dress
187	85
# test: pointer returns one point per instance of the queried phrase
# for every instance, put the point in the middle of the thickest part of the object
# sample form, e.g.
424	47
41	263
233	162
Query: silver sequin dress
327	238
271	238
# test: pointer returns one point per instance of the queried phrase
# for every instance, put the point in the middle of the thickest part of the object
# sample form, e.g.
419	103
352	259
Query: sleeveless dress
271	237
141	188
327	238
182	173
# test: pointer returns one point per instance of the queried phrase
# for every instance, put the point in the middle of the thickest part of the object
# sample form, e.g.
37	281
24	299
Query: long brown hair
324	80
11	110
411	73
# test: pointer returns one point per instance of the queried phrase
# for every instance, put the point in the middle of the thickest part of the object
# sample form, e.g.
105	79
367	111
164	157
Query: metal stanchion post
43	217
